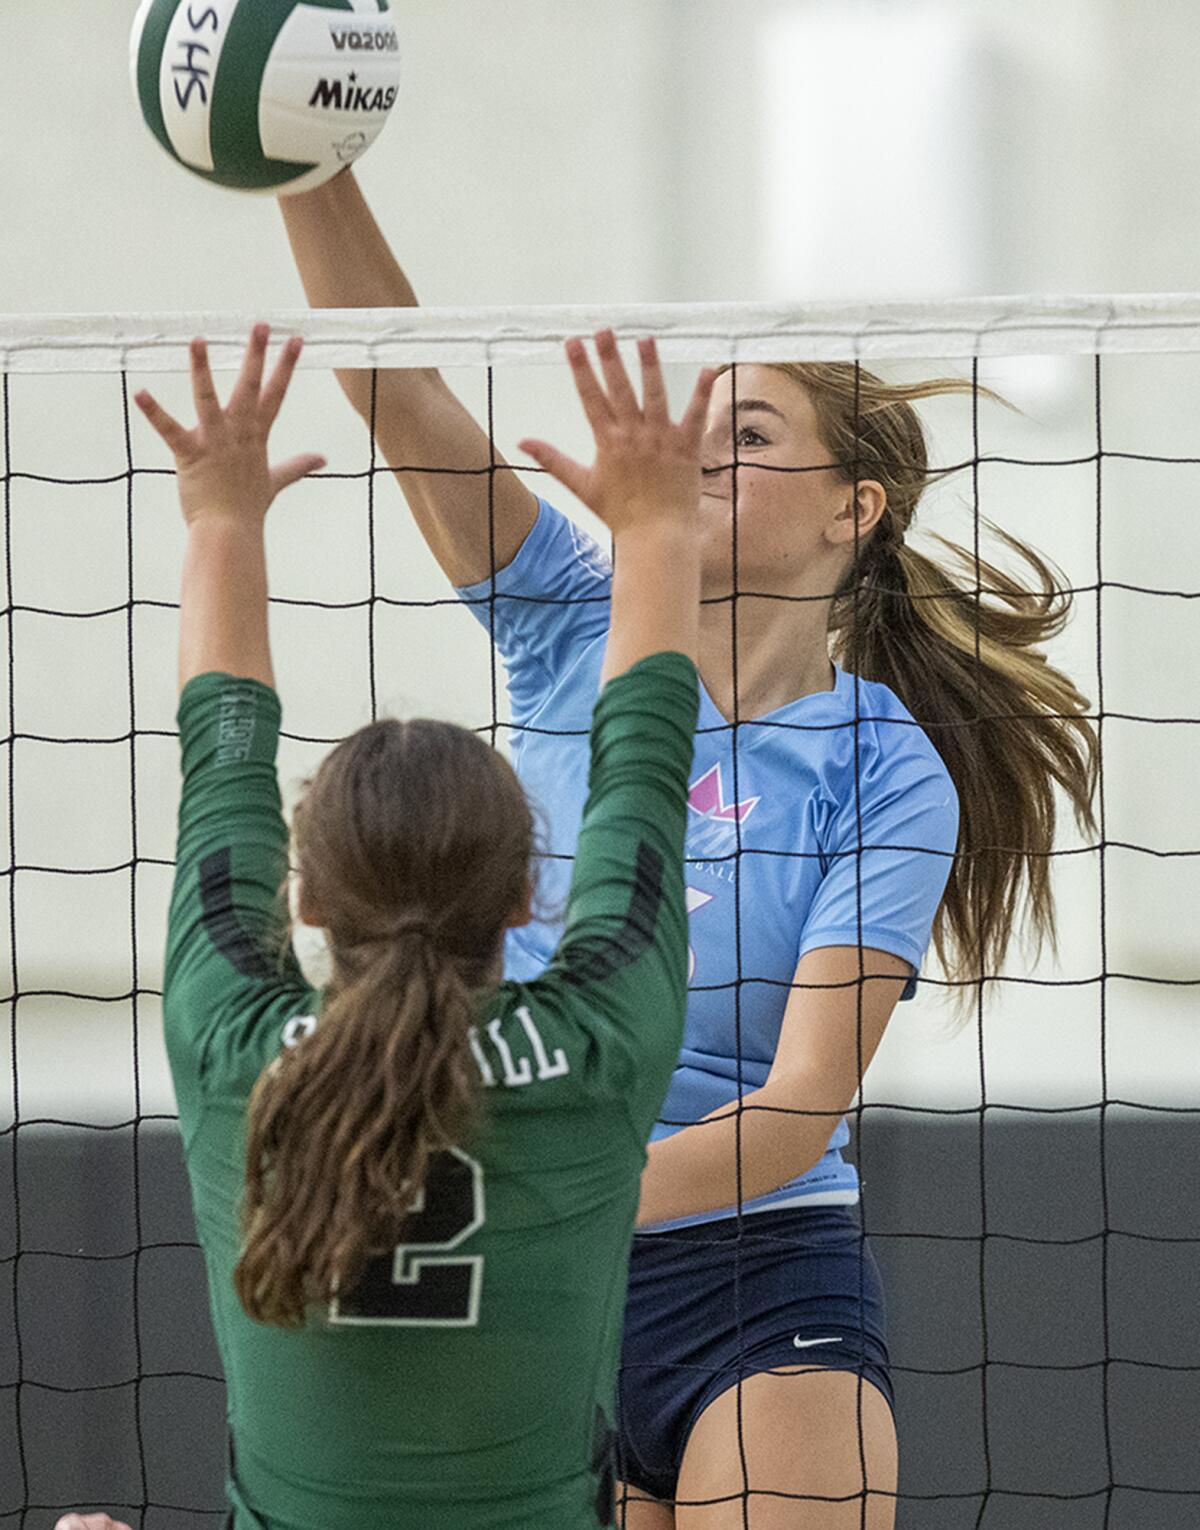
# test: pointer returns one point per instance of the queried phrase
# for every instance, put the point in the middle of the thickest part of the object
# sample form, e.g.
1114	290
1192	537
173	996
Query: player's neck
782	654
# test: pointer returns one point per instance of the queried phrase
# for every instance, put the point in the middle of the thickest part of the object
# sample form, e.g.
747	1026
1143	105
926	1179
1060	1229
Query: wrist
317	196
219	524
675	536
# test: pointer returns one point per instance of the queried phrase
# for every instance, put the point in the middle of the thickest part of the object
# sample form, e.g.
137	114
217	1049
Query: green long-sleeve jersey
467	1382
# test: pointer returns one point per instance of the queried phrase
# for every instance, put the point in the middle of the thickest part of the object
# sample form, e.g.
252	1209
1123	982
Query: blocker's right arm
345	262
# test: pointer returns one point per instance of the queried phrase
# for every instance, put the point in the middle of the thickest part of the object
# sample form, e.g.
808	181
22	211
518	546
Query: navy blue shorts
792	1277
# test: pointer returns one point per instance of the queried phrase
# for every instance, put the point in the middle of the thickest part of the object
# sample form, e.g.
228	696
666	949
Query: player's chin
726	566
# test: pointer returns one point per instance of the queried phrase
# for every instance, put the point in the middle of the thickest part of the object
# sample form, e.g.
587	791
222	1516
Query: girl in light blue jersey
875	765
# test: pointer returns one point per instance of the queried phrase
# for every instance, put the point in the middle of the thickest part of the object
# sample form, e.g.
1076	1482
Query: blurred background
616	151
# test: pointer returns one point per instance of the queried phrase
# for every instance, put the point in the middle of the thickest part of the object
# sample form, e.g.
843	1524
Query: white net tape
687	332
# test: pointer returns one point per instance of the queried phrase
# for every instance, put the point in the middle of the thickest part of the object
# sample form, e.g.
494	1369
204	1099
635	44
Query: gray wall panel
1037	1318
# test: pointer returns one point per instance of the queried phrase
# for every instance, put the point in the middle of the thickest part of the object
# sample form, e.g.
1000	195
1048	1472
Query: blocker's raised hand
222	464
647	468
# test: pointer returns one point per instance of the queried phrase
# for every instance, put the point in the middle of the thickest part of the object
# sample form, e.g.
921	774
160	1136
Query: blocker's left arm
225	489
828	1037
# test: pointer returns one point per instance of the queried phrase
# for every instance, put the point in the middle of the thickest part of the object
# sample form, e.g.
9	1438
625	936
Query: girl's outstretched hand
646	469
222	464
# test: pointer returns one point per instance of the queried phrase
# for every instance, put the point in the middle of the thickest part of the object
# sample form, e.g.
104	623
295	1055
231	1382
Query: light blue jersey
796	885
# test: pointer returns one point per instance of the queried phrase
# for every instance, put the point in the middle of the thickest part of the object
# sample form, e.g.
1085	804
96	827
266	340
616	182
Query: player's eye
748	436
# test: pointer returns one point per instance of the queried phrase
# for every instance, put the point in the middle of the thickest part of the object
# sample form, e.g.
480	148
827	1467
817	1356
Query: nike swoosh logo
808	1343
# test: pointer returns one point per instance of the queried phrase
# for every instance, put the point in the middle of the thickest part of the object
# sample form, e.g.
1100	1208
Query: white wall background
615	151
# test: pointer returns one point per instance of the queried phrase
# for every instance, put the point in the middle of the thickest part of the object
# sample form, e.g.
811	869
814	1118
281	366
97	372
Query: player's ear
864	502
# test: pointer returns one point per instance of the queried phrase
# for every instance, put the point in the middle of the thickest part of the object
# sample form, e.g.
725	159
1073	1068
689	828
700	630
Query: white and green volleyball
265	95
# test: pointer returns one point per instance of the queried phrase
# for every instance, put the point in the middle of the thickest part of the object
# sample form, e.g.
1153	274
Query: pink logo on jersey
713	832
706	796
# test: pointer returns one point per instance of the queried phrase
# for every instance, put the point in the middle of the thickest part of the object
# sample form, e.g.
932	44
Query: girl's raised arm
226	487
477	514
645	486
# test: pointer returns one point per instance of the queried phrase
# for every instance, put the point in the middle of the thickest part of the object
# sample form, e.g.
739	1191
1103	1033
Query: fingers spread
696	414
572	475
276	390
620	390
168	428
296	468
208	405
654	389
591	394
250	378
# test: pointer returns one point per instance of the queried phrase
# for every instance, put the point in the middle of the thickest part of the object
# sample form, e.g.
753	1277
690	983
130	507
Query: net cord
364	338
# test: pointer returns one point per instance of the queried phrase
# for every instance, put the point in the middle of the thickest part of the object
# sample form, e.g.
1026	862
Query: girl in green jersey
415	1190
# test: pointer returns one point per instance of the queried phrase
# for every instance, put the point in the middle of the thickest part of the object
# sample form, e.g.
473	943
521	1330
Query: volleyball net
1028	1178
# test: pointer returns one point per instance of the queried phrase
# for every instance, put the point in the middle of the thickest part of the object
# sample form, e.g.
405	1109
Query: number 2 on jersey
423	1283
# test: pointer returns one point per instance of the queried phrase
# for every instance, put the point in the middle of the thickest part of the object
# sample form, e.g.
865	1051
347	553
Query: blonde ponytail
961	645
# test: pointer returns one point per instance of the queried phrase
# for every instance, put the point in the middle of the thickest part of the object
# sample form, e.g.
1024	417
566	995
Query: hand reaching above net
647	469
222	464
645	486
226	486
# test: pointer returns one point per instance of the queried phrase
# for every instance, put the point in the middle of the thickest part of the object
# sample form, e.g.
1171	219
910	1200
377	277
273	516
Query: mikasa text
350	96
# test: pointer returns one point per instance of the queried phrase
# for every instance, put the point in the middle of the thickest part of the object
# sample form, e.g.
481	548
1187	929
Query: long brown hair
413	846
960	643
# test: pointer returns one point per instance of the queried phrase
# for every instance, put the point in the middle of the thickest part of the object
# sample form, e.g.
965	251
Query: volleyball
265	95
